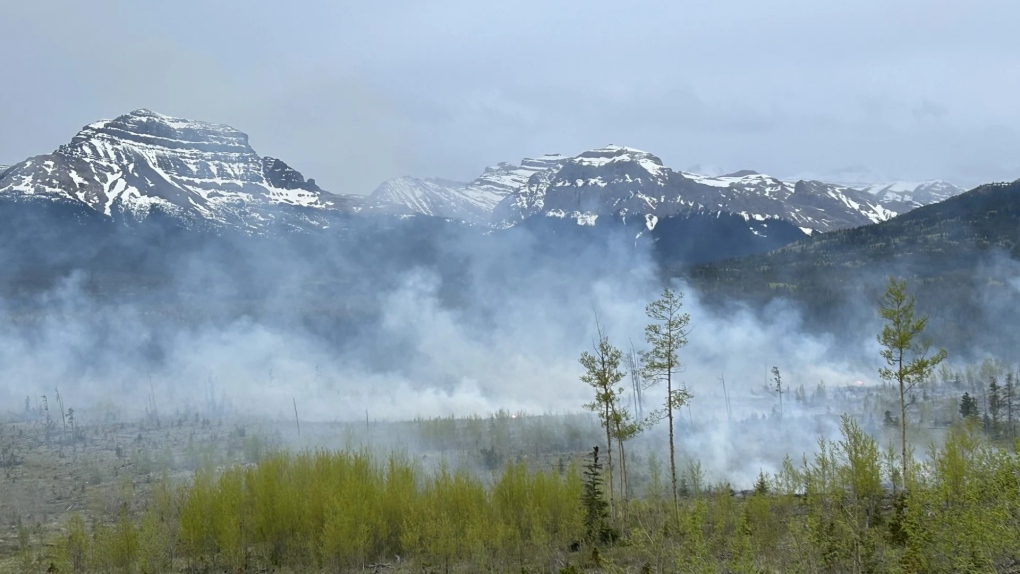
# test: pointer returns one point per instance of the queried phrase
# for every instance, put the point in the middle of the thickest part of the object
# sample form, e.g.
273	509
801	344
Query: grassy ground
106	465
109	463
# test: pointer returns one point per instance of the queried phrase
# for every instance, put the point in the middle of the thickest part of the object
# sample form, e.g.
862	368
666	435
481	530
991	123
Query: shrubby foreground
843	509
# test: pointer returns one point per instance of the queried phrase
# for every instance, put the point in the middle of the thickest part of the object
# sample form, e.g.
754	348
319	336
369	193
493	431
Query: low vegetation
347	511
562	494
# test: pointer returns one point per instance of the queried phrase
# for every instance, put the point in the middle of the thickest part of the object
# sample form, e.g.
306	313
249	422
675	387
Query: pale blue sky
352	93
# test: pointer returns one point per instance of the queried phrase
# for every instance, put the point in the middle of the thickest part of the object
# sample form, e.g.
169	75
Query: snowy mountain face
617	181
904	196
196	172
811	205
471	202
896	195
203	174
611	180
432	196
625	182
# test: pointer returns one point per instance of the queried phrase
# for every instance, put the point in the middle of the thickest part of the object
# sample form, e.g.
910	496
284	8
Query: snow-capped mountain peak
610	180
145	161
620	154
894	193
198	172
619	181
504	178
908	195
472	202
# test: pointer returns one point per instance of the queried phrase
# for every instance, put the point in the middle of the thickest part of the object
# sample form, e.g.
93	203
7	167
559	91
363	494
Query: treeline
843	509
996	405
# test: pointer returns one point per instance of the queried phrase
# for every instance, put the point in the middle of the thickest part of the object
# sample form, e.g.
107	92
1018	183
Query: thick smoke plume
460	325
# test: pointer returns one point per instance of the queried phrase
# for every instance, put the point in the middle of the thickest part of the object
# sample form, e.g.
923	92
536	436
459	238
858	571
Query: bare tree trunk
623	478
780	402
1009	408
1010	385
726	395
63	419
672	449
903	421
609	462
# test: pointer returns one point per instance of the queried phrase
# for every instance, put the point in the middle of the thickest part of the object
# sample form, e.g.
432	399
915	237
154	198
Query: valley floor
191	493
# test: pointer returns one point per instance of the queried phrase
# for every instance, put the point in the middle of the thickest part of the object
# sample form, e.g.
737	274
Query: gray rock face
281	175
143	162
609	181
618	181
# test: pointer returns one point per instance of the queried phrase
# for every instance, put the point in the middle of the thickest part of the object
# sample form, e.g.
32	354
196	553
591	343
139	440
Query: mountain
811	205
168	173
960	254
933	240
626	182
155	207
904	196
198	174
431	196
897	195
471	202
688	238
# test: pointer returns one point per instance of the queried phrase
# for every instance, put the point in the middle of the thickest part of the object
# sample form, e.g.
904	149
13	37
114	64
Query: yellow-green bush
338	511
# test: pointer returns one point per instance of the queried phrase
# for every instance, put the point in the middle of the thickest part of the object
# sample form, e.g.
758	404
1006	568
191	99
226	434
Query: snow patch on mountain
195	171
620	154
472	202
623	181
893	193
434	197
650	221
205	173
913	194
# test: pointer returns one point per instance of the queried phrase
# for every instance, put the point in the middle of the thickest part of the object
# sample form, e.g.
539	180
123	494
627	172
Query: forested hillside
960	256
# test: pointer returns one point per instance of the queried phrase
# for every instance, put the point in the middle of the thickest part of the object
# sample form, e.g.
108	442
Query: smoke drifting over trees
404	321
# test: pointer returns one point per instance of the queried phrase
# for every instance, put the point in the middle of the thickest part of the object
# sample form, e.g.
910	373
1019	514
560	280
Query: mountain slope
812	205
195	172
472	202
934	239
685	239
961	256
432	196
904	196
627	182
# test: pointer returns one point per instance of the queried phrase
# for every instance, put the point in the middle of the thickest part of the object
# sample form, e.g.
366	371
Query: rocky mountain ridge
196	172
206	174
627	182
